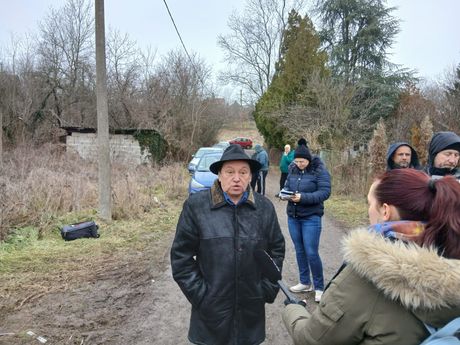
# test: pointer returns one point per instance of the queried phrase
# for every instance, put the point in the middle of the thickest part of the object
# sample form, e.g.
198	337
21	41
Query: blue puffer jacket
314	185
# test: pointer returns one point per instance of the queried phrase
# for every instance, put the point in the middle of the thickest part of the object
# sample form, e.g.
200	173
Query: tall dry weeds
39	184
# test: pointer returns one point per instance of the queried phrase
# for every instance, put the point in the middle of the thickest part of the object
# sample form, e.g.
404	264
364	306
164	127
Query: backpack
447	335
79	230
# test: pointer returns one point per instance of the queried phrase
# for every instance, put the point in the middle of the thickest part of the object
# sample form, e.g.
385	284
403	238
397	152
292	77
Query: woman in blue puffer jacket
309	179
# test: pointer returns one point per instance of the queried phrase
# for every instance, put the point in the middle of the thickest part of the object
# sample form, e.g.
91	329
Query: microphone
270	270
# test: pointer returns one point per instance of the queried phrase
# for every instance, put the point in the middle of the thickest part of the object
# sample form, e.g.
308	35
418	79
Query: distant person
286	159
400	273
255	174
443	155
212	255
402	155
262	157
309	179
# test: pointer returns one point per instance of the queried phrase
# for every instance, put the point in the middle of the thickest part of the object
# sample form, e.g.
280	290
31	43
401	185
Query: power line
178	34
183	45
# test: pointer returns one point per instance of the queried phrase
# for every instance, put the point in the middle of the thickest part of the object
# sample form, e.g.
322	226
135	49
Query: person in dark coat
212	255
402	155
444	155
262	157
310	181
400	274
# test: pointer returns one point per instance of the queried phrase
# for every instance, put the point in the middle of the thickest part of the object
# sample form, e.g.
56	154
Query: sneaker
318	295
301	288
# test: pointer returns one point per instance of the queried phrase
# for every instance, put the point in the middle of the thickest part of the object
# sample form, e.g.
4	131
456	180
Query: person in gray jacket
212	255
444	155
399	274
262	157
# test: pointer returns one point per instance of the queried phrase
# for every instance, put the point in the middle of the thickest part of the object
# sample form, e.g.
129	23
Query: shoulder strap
452	330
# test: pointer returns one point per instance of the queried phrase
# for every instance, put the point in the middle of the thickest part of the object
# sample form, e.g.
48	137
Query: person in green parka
286	158
400	274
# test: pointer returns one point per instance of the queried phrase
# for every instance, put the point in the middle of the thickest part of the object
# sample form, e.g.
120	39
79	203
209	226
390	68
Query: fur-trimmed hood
418	277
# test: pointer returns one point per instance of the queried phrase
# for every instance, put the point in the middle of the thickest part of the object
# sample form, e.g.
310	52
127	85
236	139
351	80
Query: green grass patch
23	252
350	211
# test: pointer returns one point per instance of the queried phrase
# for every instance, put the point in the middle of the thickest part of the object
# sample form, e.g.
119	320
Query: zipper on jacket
296	190
236	246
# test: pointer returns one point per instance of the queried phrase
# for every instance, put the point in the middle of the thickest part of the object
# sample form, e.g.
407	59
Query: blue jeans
305	234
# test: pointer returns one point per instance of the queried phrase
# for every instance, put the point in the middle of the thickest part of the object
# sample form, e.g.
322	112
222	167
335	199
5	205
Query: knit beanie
302	150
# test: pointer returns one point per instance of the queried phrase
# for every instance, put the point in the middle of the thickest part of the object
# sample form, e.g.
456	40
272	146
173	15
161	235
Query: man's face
446	159
402	156
234	178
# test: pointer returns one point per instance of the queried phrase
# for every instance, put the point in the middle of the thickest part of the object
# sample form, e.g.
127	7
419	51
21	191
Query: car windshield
206	161
205	150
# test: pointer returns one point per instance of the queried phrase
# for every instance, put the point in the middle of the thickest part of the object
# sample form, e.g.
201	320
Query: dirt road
137	302
170	324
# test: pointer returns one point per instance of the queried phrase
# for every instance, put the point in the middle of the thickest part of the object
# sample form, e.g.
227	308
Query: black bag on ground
79	230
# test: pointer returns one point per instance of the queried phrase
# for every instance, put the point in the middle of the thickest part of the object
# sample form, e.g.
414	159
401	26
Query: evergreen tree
378	148
357	35
300	57
426	132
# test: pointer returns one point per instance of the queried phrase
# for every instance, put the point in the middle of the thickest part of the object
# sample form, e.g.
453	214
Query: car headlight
195	184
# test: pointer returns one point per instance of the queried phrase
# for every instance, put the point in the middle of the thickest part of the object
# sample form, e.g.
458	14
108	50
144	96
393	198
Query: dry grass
244	129
45	188
347	210
37	185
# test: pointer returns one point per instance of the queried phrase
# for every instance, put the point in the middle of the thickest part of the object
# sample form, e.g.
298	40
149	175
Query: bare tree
105	203
413	107
66	50
123	74
253	45
178	103
327	123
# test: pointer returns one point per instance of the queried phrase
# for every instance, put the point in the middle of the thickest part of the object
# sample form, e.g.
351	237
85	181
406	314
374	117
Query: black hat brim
234	153
254	165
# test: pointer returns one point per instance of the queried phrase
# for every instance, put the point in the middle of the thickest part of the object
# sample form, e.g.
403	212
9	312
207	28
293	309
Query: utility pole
105	198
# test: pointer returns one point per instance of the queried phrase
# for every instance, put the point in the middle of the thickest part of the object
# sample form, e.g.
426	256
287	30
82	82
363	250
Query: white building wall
123	147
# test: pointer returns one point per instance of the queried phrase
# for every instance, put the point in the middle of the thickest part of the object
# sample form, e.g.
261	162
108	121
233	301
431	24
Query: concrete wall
123	147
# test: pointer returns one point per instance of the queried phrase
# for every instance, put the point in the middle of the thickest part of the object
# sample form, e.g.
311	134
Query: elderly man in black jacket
444	155
212	256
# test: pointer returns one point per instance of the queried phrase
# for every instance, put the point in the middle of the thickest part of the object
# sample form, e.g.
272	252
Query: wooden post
105	209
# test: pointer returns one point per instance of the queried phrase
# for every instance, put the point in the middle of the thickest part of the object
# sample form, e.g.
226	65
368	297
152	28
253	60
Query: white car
201	151
222	144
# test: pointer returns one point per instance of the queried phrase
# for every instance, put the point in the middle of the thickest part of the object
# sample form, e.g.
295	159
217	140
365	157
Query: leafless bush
350	171
39	184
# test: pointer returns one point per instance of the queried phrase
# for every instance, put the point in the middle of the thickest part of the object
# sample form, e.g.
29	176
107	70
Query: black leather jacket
212	261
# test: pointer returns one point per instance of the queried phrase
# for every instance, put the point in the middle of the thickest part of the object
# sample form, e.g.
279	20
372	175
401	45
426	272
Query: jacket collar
417	277
218	199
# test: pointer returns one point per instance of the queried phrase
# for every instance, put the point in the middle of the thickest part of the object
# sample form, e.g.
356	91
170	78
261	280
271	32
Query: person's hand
296	197
288	301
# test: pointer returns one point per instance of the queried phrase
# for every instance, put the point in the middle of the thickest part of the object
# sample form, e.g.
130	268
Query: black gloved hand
289	301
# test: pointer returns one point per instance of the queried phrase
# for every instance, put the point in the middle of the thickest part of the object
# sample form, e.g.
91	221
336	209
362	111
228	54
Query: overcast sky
429	41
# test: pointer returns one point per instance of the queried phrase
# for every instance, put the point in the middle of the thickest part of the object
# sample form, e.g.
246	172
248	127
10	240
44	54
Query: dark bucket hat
234	153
